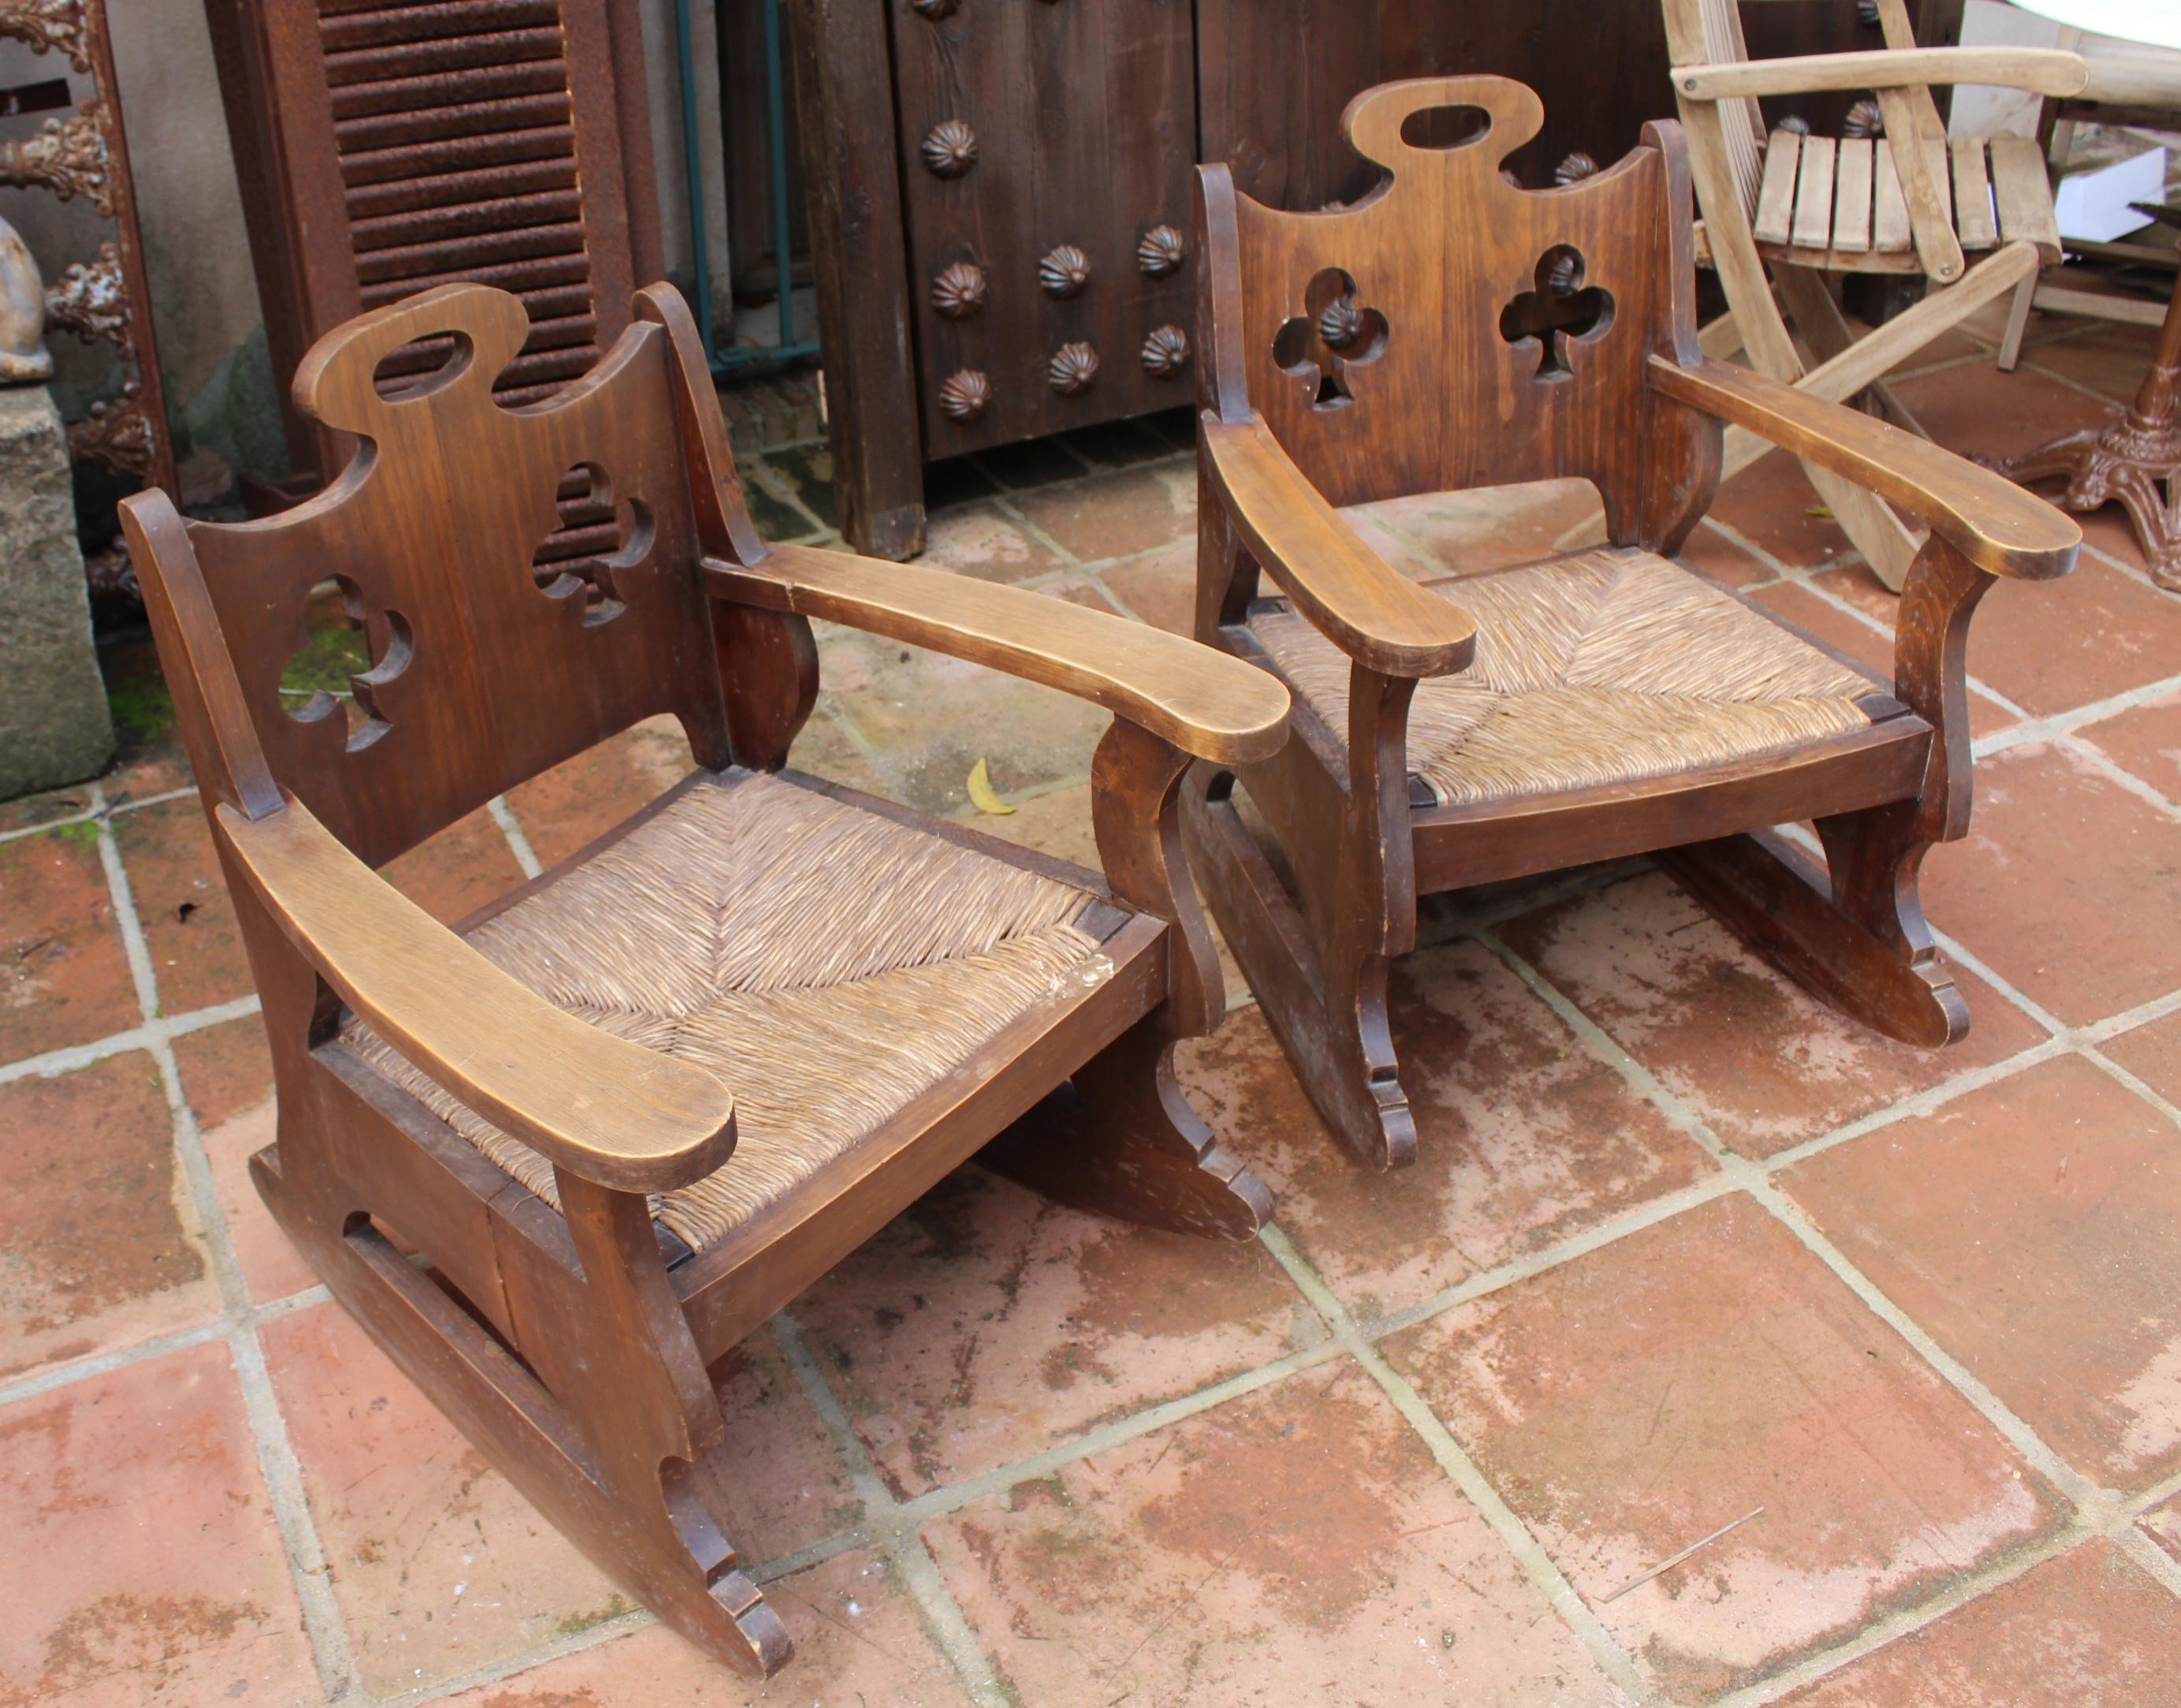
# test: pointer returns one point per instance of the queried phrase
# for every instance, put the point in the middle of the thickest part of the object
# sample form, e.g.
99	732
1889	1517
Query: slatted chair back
1709	32
525	579
1451	330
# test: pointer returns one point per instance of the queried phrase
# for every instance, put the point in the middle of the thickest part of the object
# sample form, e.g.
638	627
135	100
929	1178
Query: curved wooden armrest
2147	81
1202	701
1370	609
600	1106
1992	522
2039	70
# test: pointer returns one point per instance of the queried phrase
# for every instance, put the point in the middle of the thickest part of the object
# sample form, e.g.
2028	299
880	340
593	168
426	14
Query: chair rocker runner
1909	201
1452	330
629	1111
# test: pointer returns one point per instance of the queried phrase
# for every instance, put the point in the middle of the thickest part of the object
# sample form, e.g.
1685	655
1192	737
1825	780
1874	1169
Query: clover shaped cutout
1559	308
599	536
1334	333
351	651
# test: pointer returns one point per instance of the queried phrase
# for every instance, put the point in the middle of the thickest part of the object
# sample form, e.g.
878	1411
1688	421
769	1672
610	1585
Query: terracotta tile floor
1684	1250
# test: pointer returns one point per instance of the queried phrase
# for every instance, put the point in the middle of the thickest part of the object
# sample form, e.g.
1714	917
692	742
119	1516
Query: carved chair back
525	579
1450	329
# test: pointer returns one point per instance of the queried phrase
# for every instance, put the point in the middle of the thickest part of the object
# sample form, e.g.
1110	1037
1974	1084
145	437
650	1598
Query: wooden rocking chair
1453	330
1813	205
781	1010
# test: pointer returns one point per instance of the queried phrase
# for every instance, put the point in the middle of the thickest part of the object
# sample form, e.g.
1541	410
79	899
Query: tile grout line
324	1629
1908	1622
518	842
113	810
1610	1230
71	1057
1530	1556
946	1498
1762	1189
2113	560
1034	532
39	1383
1118	1432
948	1627
907	1515
495	1671
1915	1104
2154	1561
2114	1070
2123	1531
2074	385
51	1378
2057	728
2096	1511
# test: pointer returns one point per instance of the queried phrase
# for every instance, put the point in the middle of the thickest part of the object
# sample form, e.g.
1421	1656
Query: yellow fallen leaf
982	795
1820	510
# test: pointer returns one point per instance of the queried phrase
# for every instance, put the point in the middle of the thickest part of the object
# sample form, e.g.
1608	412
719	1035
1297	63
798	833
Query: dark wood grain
845	114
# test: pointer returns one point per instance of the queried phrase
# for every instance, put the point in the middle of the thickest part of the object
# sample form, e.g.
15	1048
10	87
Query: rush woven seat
1608	667
824	962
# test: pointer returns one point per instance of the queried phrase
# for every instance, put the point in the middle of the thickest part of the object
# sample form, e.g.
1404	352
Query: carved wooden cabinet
1046	148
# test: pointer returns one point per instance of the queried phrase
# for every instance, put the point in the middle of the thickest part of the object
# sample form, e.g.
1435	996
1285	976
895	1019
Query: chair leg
651	1528
2017	324
1327	1009
1123	1140
1856	939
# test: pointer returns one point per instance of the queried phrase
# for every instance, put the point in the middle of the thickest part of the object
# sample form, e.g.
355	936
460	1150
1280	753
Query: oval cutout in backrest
422	366
1444	127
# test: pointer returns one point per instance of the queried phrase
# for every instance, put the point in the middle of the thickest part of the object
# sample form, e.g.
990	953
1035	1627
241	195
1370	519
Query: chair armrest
1370	609
1202	701
600	1106
1988	518
2146	80
2039	70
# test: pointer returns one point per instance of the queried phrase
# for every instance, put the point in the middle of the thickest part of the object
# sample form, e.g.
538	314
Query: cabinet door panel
1083	120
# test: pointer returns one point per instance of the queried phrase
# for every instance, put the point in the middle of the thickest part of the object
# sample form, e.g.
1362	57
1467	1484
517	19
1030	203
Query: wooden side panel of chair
484	671
1417	340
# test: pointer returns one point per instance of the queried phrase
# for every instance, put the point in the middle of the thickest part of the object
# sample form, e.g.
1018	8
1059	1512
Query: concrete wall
221	391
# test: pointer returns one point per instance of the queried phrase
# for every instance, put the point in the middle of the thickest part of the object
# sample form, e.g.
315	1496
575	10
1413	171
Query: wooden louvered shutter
383	148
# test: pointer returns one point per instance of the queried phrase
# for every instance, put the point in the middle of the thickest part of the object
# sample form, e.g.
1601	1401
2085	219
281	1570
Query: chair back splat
1450	329
525	579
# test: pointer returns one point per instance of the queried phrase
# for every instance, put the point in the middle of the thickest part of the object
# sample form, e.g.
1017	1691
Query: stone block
53	724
